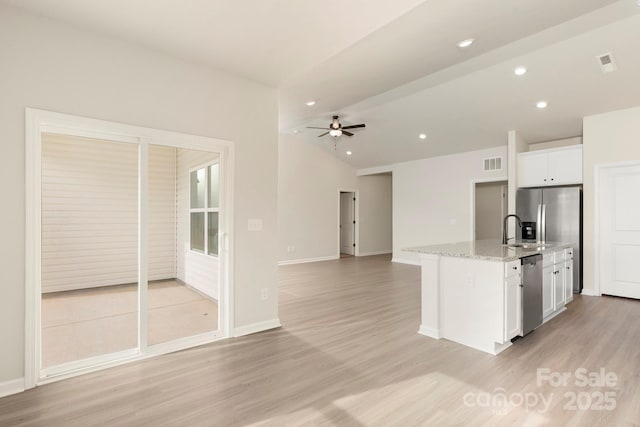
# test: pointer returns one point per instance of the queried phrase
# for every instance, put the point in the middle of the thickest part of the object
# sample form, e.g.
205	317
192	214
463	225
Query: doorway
490	208
375	214
347	223
128	236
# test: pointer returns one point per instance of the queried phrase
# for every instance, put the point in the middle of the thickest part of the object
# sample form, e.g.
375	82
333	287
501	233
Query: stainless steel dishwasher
531	293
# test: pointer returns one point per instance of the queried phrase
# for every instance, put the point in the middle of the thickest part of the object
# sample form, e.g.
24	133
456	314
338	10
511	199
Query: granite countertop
491	250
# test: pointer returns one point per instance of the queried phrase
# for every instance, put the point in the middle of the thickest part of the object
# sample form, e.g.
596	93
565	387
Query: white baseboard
405	261
589	293
429	332
11	387
256	327
375	253
305	260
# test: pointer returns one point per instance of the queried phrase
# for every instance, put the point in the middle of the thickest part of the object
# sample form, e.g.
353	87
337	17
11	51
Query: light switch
254	225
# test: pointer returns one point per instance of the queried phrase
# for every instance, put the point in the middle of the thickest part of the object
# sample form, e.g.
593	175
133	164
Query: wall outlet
291	248
254	225
264	293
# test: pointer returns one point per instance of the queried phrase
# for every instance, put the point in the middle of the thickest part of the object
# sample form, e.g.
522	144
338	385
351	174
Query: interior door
620	231
490	209
347	226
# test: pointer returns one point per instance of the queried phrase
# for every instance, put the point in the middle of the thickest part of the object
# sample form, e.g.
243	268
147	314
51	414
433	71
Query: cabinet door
558	286
532	169
568	281
513	307
565	166
547	291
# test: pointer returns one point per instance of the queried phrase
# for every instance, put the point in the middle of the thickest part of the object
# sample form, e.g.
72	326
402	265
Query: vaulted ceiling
395	65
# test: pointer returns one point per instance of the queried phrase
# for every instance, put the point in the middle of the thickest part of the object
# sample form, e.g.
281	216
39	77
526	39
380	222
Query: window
204	209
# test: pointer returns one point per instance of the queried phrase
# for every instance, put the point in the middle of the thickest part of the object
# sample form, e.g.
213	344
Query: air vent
493	164
607	63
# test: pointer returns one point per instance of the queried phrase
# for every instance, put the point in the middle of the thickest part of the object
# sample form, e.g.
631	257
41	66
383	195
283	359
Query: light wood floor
93	322
349	355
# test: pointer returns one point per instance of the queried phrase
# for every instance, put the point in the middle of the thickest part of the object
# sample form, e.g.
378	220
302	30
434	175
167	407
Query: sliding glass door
89	283
132	249
184	276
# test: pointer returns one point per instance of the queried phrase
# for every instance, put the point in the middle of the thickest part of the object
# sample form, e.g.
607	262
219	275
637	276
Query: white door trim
356	214
38	121
597	254
472	198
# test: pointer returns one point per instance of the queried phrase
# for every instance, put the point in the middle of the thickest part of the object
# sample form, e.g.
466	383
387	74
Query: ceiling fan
336	129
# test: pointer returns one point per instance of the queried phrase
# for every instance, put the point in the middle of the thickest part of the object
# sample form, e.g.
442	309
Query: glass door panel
89	281
184	284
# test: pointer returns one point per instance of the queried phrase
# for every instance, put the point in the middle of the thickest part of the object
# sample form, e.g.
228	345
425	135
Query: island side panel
430	323
472	302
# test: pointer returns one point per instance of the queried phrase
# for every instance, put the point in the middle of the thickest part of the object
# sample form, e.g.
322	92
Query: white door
559	285
347	223
547	291
532	169
513	307
620	231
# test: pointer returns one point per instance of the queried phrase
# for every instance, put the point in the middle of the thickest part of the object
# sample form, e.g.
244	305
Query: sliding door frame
39	121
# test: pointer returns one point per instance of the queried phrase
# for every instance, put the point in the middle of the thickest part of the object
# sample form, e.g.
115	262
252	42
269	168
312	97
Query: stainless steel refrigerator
553	214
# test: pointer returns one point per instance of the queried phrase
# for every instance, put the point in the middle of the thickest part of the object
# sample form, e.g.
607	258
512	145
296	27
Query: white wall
309	183
432	199
195	269
59	68
375	218
607	138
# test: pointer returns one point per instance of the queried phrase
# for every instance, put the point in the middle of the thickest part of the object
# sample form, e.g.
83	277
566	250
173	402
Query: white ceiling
264	40
395	65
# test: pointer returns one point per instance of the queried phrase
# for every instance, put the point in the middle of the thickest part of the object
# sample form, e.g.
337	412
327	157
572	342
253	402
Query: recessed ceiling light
349	153
311	103
520	71
466	43
422	136
541	104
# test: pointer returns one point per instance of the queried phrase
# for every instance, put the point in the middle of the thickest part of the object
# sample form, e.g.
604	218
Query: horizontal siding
162	213
90	213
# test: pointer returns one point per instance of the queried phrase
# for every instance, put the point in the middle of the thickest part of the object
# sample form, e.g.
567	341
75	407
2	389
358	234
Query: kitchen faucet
504	226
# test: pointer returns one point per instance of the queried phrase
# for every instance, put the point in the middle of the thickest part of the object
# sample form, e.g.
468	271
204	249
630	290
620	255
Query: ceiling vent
607	63
493	164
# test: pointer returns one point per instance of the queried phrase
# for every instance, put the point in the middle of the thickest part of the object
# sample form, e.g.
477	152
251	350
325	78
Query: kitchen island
472	293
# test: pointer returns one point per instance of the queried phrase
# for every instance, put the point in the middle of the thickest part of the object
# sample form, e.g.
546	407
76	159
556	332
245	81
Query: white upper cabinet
558	166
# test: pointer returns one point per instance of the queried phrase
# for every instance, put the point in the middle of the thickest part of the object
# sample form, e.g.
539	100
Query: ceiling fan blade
323	134
346	132
313	127
353	126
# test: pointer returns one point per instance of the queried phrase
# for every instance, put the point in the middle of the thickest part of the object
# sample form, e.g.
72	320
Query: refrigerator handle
544	223
539	224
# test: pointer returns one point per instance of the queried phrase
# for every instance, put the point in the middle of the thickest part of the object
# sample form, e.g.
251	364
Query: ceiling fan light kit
336	129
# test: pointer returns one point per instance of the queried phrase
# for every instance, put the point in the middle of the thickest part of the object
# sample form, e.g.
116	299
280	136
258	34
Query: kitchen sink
526	246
